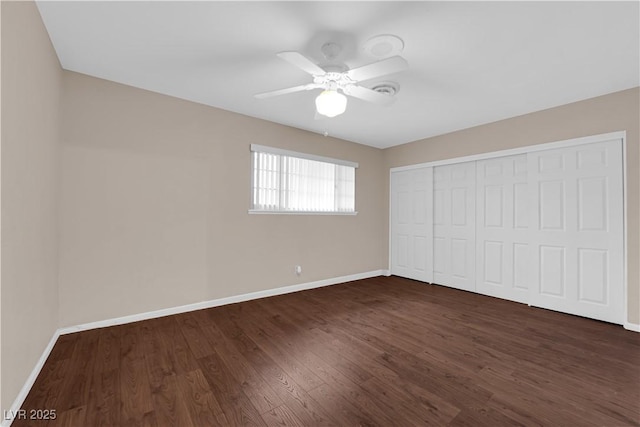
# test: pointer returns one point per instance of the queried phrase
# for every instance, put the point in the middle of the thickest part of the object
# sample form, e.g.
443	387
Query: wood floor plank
305	343
200	400
405	400
253	385
175	345
270	326
268	338
297	399
282	416
192	332
108	352
482	416
456	385
170	404
73	417
156	359
236	406
523	399
135	390
380	351
341	409
354	394
76	388
64	347
103	408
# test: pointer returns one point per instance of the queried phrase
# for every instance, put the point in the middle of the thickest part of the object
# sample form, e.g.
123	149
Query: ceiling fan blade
369	95
302	62
286	91
377	69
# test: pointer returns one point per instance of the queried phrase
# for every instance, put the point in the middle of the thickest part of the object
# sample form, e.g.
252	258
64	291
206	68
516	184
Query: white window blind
287	182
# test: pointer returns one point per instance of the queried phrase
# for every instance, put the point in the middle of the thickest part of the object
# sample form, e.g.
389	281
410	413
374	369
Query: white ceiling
469	62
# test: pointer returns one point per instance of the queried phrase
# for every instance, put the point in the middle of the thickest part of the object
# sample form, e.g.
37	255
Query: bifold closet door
454	225
576	233
502	228
411	224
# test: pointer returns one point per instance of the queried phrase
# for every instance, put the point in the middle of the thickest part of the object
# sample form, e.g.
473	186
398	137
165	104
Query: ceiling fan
334	80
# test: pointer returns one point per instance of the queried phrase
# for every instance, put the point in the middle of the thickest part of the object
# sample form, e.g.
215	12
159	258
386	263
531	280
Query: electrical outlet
298	270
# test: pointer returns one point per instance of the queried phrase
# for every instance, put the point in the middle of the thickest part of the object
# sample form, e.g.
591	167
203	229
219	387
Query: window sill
260	212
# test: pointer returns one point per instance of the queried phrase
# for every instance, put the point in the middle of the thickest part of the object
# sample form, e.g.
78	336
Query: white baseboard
19	400
22	395
386	273
218	302
632	326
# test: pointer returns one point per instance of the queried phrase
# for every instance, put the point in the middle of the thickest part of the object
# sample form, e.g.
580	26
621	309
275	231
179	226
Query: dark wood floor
383	351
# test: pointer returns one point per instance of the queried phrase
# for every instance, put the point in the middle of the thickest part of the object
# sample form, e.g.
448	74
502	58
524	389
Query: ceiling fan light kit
331	103
335	79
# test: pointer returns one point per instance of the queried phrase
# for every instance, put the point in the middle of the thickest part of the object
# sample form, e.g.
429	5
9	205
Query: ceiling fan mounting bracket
331	50
335	68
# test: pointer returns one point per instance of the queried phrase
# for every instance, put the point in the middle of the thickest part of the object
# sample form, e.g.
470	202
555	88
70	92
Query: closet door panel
501	228
411	224
454	225
576	230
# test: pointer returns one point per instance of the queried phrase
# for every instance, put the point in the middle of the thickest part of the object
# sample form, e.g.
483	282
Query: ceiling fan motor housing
334	81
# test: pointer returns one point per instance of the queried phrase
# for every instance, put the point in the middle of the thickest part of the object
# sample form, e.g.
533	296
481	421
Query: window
289	182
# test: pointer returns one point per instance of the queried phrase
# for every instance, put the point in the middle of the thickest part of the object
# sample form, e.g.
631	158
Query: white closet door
411	224
454	225
576	230
502	249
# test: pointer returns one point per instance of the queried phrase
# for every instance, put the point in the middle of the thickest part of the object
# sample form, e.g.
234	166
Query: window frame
296	154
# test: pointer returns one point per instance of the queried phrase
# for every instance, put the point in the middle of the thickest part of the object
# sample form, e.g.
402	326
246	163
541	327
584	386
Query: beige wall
31	81
154	199
614	112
